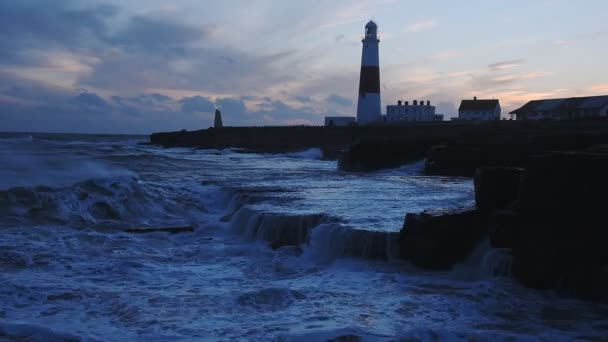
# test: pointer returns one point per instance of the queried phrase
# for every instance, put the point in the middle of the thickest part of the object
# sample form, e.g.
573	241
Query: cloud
129	54
561	42
27	26
597	89
493	81
43	108
505	64
31	92
422	25
87	103
581	37
146	67
446	108
304	99
448	54
213	69
197	104
232	105
125	66
273	112
154	34
339	100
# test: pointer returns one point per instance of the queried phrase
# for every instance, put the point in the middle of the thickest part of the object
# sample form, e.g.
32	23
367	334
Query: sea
109	238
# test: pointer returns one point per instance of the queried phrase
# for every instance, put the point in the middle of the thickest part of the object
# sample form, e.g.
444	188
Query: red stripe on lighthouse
370	80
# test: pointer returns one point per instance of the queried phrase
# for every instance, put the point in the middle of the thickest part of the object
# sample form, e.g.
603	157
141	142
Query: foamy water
70	270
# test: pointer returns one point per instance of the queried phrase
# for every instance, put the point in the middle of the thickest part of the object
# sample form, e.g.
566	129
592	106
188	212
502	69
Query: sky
126	66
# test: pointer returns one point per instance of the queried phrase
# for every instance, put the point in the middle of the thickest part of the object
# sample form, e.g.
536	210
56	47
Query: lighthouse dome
371	24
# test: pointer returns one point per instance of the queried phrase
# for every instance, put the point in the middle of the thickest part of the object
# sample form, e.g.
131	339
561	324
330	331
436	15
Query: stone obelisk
218	119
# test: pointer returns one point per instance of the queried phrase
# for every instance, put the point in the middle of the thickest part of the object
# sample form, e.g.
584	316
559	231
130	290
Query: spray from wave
29	168
313	153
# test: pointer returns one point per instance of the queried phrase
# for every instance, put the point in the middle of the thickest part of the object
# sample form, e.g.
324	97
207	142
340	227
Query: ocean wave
30	170
270	299
312	153
35	333
412	169
323	237
419	334
121	202
485	262
72	139
277	229
15	138
333	240
88	202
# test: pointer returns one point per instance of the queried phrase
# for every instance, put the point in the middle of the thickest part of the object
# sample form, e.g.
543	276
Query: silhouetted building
479	110
564	109
368	106
218	119
404	111
339	121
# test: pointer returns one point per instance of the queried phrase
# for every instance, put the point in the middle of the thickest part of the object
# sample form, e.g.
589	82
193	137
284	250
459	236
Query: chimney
407	103
474	98
415	102
428	102
399	103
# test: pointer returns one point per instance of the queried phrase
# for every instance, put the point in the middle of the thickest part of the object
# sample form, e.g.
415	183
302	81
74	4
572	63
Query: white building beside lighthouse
368	105
416	111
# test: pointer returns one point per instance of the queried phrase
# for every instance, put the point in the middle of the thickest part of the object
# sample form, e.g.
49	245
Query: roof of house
478	105
589	102
593	102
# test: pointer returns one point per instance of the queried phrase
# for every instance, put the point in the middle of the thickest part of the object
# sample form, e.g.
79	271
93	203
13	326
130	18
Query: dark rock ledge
551	215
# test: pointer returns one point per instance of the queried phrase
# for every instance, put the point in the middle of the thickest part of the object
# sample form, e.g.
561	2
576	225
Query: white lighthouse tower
368	107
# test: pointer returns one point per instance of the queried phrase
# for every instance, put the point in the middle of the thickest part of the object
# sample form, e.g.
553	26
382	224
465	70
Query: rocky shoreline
539	189
549	216
331	140
499	144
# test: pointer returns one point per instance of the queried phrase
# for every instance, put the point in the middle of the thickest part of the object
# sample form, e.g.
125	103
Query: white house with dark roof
479	110
564	109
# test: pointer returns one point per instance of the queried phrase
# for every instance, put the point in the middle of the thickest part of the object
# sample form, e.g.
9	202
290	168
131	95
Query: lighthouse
368	106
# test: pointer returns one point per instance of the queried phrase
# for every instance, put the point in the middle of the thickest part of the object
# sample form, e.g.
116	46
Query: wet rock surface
496	188
557	229
437	241
550	215
463	156
376	155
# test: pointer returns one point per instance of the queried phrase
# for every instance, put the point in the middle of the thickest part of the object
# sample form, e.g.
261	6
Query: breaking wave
324	238
312	153
116	202
278	230
75	263
35	333
31	171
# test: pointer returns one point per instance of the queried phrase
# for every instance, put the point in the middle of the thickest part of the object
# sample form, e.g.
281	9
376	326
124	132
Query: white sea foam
312	153
66	275
29	169
412	169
